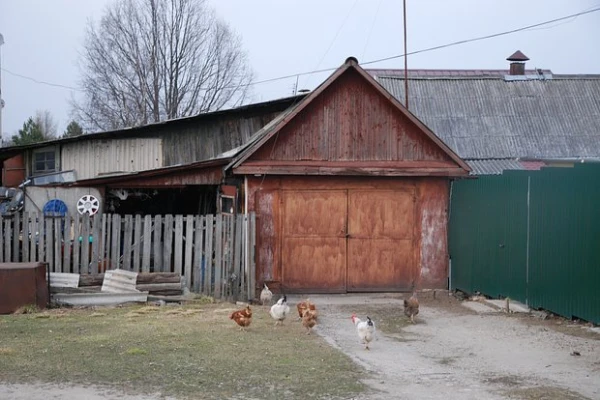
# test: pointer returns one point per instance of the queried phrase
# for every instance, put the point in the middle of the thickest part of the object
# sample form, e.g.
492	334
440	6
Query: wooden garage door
381	249
314	240
348	240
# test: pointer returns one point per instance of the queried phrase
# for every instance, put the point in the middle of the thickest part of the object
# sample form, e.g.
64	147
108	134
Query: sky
43	39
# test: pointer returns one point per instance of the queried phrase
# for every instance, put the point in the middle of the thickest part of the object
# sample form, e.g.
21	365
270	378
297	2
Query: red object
22	284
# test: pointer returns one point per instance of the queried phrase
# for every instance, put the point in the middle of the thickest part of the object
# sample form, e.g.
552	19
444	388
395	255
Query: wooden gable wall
352	121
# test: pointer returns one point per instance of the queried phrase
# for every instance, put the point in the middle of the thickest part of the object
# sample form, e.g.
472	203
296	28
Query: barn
350	192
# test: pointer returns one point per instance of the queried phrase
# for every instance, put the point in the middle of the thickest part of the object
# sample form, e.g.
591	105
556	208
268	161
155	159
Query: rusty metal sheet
22	284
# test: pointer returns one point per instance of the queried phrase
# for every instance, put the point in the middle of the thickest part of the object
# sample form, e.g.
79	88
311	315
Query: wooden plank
128	228
34	233
58	244
2	229
147	243
218	255
49	231
76	245
7	239
178	243
25	237
105	253
15	240
189	246
158	277
157	233
67	244
41	238
168	243
137	246
115	245
252	259
96	243
237	257
198	236
208	257
156	287
228	238
85	244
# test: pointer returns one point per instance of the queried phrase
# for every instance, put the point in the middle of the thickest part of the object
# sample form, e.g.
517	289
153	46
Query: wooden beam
354	171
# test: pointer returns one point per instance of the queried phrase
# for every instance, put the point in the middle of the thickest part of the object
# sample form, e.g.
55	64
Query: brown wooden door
314	241
381	248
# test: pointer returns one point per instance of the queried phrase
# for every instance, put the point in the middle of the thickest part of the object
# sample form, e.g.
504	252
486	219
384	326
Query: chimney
517	63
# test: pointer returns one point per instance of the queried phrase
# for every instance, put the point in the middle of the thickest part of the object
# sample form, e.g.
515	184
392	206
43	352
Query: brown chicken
309	319
411	307
242	317
306	305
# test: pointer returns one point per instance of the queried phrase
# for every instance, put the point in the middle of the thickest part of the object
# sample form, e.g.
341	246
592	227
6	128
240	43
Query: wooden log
158	277
156	287
167	293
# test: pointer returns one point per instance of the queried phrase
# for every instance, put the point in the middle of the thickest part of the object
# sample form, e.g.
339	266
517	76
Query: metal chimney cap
351	60
518	56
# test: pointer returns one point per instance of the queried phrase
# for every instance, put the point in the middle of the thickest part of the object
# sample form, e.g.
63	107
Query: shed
350	191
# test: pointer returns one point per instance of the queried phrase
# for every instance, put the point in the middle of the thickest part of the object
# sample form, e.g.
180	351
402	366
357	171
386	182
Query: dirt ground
455	352
451	352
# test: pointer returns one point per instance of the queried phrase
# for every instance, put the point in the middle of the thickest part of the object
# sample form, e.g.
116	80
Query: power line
443	46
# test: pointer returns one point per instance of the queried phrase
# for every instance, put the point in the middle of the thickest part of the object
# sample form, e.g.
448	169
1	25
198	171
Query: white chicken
280	310
365	330
266	295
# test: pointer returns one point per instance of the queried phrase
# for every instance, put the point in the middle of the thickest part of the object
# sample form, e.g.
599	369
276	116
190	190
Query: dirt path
453	352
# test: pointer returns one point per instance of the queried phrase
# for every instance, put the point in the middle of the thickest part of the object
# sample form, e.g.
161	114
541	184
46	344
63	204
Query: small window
44	161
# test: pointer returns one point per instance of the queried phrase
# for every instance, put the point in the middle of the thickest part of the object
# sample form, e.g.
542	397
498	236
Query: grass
189	351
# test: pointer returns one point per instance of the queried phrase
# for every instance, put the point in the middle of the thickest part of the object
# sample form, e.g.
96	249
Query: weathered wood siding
200	141
351	121
95	157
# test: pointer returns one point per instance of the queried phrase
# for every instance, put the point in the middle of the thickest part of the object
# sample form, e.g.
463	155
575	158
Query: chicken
266	295
303	305
365	330
280	310
309	319
411	307
242	317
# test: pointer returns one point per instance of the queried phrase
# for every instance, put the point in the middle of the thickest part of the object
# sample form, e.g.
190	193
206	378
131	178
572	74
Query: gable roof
269	131
493	116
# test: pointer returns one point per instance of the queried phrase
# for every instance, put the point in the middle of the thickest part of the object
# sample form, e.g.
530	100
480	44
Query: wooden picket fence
214	253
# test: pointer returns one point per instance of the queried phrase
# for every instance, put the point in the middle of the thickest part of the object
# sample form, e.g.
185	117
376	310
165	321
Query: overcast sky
284	37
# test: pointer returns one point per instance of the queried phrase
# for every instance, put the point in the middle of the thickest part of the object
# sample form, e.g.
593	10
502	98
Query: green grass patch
178	351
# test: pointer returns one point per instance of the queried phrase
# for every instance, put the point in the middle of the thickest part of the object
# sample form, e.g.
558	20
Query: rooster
365	330
309	319
242	317
280	310
306	305
411	307
266	295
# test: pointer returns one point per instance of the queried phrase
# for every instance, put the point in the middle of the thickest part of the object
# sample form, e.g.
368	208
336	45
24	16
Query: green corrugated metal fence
533	236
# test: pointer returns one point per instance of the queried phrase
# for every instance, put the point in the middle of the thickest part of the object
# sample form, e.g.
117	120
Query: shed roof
489	117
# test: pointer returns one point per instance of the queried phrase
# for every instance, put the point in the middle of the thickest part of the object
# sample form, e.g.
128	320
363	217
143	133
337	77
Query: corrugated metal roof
498	119
493	166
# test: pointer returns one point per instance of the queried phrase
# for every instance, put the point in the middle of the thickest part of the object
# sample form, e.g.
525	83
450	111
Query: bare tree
152	60
46	123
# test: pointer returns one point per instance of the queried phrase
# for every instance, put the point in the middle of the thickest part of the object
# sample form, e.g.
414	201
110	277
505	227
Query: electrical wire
443	46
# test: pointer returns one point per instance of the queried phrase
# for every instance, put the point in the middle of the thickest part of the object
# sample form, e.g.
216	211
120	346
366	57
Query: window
44	161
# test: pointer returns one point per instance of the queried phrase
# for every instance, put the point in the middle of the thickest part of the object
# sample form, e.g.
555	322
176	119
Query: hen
411	307
309	319
280	310
266	295
306	305
365	330
242	317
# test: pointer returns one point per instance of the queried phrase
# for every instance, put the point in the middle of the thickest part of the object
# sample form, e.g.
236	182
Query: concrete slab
479	308
514	306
